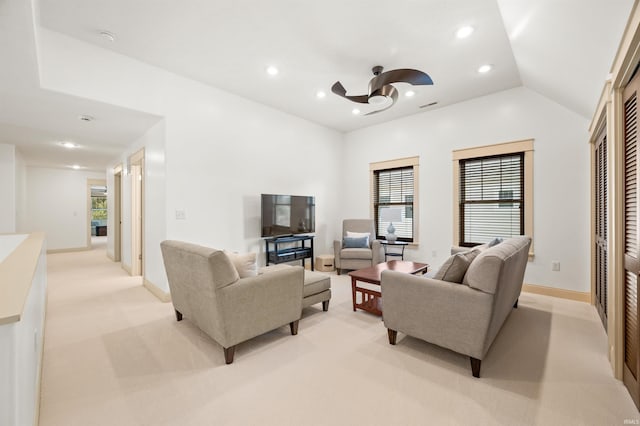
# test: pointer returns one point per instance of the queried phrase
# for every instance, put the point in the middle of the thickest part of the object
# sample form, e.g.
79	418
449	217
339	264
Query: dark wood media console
288	249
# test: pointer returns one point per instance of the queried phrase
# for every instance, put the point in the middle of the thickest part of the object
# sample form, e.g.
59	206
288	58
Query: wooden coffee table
371	300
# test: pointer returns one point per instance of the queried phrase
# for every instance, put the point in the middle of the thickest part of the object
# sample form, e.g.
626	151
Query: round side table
394	249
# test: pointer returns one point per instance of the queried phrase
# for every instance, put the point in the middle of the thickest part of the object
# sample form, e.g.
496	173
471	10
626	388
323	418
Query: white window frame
524	146
395	164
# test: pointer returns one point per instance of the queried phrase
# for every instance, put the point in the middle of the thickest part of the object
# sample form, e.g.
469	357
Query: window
493	188
394	184
98	207
491	199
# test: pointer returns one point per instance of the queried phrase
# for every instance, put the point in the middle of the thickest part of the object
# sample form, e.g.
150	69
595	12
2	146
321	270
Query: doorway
137	212
96	209
117	213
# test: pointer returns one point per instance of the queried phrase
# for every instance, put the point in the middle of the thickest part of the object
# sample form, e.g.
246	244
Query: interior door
601	224
631	262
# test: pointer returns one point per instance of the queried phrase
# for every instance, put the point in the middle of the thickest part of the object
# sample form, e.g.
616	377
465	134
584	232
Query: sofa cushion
494	242
454	269
355	242
246	263
356	253
315	283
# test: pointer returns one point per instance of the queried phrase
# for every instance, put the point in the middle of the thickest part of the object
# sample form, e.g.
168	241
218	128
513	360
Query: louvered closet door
601	223
631	264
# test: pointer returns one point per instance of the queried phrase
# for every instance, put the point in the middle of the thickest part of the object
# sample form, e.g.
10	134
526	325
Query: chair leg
393	334
178	315
325	305
294	327
515	305
228	354
338	271
475	366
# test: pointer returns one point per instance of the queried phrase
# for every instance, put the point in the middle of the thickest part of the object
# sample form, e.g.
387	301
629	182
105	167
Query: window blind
394	188
491	198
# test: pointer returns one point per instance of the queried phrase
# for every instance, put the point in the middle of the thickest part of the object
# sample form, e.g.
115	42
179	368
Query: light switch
181	215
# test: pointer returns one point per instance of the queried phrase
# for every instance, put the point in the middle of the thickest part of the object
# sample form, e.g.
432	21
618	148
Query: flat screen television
287	215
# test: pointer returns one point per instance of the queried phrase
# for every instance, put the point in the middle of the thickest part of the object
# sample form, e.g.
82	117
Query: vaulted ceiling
562	49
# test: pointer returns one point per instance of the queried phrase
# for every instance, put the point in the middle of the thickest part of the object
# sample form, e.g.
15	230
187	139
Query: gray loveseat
207	290
464	317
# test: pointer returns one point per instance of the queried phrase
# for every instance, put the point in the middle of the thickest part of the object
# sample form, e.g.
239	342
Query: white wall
561	174
7	188
221	151
21	193
154	203
57	205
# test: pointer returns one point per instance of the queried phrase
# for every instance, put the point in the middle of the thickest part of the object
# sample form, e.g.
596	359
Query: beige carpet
114	355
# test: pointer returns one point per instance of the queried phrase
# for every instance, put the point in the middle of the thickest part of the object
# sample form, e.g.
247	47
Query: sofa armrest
377	255
337	246
450	315
254	305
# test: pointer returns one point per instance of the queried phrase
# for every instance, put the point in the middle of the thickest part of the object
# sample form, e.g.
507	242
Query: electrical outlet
181	215
555	265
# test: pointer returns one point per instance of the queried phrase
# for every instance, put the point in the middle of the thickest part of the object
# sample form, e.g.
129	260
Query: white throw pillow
360	235
246	264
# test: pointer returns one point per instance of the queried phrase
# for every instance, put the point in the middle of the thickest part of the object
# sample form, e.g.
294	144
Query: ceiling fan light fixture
464	32
321	94
484	68
381	91
272	70
355	111
377	99
410	93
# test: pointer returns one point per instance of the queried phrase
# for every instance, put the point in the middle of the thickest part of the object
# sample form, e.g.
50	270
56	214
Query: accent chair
357	257
207	290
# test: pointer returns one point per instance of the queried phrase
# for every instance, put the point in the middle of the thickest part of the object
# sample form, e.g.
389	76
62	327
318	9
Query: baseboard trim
126	267
68	250
153	289
111	257
562	293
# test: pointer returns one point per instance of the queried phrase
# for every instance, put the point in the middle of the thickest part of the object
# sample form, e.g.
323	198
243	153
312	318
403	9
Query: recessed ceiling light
271	70
85	118
484	68
108	35
320	94
410	93
355	111
69	145
75	167
464	32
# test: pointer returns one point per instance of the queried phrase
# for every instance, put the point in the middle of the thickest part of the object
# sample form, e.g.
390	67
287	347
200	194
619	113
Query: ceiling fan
380	87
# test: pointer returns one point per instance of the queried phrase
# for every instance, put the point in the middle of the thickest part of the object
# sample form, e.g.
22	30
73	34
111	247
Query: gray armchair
207	290
358	258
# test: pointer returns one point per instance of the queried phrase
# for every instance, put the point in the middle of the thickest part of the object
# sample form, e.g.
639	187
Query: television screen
287	215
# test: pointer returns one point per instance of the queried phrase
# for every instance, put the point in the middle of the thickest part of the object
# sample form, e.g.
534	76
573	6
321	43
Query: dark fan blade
339	90
403	75
388	91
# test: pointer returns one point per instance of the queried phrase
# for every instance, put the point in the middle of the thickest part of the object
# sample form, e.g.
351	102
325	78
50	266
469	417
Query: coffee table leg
353	293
